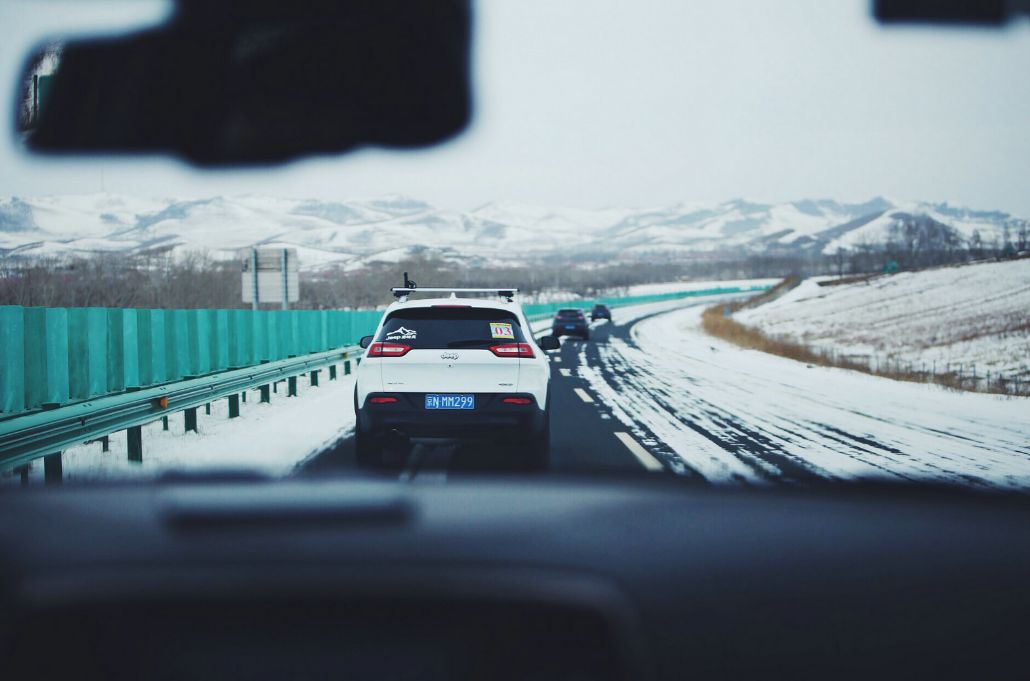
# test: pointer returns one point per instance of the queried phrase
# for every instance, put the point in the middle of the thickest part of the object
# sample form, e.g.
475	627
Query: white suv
454	368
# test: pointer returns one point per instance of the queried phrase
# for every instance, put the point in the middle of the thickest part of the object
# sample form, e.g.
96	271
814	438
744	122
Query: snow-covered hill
949	319
389	228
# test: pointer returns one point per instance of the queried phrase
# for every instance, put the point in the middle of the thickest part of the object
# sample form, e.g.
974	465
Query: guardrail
46	433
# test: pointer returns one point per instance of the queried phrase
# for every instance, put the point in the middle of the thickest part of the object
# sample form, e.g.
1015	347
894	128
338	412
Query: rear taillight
382	400
517	400
388	350
513	350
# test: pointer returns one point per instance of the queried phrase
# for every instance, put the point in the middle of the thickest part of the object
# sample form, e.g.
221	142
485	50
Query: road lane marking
557	358
643	456
565	372
583	395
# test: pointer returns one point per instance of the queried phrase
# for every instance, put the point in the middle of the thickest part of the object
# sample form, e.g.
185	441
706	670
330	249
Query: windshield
807	233
441	327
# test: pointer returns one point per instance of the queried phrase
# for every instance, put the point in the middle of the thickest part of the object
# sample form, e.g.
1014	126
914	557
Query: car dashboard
510	578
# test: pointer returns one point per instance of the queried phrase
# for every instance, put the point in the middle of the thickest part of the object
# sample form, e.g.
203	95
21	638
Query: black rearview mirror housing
365	341
263	81
549	343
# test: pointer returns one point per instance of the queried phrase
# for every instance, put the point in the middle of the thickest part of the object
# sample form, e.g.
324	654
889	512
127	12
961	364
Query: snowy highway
651	391
648	392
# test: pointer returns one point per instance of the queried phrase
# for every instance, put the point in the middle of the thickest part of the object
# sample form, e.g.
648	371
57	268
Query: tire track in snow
778	420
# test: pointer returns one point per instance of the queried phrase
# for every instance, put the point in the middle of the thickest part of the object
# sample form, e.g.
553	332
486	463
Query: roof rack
402	292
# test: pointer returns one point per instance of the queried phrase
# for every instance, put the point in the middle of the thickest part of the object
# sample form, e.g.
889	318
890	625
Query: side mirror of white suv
365	341
549	343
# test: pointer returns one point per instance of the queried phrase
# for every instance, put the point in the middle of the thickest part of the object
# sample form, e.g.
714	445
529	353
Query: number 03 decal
501	330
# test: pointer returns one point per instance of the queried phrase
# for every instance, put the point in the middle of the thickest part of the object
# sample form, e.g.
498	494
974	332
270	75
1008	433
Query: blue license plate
460	401
570	327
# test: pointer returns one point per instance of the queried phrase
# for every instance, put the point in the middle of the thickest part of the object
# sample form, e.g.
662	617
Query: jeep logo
449	355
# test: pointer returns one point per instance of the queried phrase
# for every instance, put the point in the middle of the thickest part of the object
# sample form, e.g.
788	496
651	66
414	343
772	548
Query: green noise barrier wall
52	356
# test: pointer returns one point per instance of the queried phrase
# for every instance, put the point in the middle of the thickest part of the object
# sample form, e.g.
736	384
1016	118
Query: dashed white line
565	372
643	456
583	395
557	358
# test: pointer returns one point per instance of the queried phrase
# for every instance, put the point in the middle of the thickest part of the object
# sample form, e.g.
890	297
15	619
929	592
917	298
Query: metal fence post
254	301
191	419
266	393
234	405
314	378
291	386
285	279
134	440
53	470
332	372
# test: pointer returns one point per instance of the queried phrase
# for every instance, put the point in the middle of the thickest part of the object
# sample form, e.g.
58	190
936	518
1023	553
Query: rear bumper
560	330
491	417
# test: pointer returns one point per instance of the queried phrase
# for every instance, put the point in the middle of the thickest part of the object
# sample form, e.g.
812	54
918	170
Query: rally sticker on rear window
501	330
400	333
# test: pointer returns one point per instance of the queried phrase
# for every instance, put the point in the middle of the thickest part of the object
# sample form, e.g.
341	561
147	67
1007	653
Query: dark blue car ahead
570	322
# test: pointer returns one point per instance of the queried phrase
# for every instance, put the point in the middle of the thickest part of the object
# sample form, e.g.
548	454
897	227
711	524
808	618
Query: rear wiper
466	342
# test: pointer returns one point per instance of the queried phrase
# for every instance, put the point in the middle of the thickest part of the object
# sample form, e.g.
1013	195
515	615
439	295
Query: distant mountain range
354	233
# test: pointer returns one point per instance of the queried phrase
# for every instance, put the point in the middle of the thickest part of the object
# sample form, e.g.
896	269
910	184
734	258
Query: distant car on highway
454	368
600	312
570	322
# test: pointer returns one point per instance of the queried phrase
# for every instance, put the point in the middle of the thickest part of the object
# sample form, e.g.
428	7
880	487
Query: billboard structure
270	275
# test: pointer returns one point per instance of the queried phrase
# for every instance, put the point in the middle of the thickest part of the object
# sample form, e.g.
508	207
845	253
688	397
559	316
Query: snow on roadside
724	401
971	315
266	438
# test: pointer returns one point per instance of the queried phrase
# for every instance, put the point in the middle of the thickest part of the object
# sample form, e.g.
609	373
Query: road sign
273	272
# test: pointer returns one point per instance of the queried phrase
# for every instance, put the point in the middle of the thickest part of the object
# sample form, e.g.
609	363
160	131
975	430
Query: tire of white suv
368	447
537	445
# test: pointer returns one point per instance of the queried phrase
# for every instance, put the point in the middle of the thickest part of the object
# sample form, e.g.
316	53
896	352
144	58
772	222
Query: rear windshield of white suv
431	328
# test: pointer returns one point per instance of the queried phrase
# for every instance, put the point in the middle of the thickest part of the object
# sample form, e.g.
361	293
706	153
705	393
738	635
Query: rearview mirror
365	341
549	343
258	82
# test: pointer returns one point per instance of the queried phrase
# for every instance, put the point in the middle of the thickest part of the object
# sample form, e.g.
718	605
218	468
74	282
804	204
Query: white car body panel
450	371
471	370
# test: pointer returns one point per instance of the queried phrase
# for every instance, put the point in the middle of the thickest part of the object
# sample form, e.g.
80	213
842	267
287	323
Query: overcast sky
597	103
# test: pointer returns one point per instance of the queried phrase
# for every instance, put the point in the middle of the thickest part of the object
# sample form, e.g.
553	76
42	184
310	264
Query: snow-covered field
728	414
947	319
266	438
